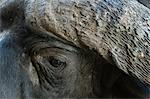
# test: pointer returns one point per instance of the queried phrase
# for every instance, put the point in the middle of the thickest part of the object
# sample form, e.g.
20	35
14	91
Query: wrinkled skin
37	64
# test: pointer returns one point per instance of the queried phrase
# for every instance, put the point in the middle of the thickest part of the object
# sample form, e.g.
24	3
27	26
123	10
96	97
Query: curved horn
118	29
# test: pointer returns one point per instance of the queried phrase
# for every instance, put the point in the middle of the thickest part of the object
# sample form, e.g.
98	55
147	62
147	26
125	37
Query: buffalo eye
57	63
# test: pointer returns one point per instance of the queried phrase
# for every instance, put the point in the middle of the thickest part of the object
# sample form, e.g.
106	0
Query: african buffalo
44	52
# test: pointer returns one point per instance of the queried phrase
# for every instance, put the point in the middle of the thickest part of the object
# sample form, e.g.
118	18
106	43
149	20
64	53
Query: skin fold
39	64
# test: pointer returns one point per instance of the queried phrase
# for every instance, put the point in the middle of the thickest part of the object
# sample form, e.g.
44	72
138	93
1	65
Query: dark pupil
56	63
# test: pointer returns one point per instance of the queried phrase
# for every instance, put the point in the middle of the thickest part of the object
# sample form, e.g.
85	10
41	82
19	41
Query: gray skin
35	64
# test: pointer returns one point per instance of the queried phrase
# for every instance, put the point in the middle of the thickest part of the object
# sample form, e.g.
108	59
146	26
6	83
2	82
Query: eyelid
38	47
56	53
45	41
59	57
55	49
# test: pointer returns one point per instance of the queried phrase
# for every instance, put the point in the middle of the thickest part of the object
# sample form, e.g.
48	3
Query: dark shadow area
145	2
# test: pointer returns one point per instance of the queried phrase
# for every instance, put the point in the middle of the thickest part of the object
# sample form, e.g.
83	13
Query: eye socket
56	62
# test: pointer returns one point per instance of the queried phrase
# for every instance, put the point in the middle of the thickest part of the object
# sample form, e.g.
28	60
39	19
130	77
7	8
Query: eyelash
56	63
